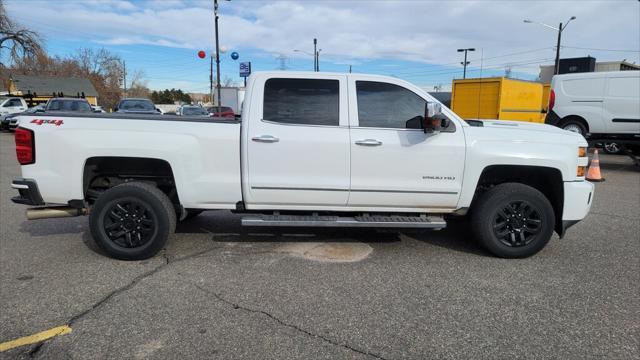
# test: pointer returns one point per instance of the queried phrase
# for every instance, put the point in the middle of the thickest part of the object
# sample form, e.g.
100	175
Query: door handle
265	139
369	142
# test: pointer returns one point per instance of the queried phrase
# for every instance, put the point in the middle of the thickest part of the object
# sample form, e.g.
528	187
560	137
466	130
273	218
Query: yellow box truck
498	98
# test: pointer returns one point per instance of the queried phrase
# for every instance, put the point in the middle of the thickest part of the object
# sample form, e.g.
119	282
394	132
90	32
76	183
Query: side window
302	101
54	105
13	103
386	105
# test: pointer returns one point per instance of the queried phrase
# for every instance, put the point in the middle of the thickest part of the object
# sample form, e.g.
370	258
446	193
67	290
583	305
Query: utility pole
465	63
556	70
315	54
124	77
215	13
559	29
211	79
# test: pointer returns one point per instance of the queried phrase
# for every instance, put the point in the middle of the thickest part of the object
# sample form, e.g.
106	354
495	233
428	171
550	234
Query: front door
298	150
398	168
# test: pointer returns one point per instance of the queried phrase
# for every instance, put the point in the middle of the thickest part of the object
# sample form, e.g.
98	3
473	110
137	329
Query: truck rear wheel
132	221
513	220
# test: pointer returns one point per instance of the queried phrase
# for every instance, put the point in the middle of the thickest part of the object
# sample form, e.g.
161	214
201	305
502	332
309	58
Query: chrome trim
369	142
304	125
406	191
355	190
292	188
19	186
265	139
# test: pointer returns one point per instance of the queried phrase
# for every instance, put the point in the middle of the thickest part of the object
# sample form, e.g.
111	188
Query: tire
138	209
530	223
574	125
611	148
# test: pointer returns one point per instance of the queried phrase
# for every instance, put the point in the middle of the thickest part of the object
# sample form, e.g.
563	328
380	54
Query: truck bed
203	152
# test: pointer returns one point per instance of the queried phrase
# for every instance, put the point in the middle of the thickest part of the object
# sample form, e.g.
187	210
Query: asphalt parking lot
222	291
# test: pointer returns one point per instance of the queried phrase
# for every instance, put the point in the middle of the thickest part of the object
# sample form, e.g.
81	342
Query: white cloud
422	31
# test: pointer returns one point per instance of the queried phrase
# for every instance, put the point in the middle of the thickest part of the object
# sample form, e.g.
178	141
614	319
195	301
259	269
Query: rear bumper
552	118
578	197
28	192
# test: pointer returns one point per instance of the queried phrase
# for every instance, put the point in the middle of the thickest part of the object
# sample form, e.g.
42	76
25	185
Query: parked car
598	105
191	110
222	111
11	121
136	106
312	149
97	109
68	105
12	105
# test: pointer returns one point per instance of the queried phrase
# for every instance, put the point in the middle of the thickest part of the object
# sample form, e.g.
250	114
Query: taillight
552	99
25	146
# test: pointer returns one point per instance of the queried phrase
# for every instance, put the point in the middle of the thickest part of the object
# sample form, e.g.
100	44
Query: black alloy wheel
517	223
129	223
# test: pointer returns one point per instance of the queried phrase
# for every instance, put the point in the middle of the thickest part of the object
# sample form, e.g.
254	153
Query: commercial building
39	89
584	64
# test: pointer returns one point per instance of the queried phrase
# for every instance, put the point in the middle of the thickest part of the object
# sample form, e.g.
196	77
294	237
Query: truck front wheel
513	220
132	221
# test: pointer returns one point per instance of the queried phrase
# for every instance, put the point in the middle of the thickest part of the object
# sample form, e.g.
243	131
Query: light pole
465	63
559	29
215	15
318	60
315	54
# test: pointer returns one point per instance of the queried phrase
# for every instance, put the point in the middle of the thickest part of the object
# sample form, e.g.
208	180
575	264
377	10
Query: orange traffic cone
594	169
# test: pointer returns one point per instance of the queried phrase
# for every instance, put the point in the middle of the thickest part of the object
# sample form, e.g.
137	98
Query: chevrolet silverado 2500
311	149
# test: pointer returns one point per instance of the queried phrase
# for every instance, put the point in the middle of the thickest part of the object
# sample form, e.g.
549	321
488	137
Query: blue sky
414	40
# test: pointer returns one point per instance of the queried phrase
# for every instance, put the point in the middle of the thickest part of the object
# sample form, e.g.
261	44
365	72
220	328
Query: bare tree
138	87
20	42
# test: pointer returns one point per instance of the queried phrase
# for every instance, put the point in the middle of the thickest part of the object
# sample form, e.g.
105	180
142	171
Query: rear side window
302	101
386	105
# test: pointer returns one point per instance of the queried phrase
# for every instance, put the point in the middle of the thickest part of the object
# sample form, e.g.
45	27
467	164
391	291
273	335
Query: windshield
69	105
137	105
194	110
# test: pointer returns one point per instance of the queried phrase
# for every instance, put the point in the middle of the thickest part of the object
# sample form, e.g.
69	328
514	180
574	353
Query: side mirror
431	111
39	110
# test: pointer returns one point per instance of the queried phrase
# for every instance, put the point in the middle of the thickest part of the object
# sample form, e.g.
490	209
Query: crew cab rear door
297	142
396	167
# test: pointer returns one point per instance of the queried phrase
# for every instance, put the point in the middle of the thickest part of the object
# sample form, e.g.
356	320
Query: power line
594	49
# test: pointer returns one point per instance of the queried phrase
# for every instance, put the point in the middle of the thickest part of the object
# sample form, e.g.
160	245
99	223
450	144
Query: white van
598	105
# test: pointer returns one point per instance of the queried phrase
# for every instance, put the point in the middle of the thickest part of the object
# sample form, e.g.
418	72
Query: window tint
140	105
69	105
302	101
386	105
14	103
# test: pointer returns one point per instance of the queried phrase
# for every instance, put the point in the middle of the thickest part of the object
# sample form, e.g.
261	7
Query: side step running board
425	222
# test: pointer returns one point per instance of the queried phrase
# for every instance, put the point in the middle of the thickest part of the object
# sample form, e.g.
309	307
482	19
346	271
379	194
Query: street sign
245	69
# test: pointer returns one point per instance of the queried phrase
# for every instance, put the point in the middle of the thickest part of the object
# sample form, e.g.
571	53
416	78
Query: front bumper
29	193
578	197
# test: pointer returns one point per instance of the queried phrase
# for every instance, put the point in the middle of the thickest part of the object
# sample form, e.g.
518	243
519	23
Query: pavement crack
283	323
37	348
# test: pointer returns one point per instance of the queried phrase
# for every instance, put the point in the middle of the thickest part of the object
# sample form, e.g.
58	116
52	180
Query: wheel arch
578	118
547	180
104	172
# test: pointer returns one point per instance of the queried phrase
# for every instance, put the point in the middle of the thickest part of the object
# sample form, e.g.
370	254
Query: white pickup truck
311	149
